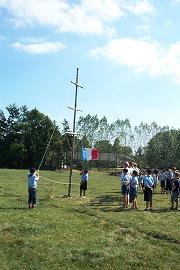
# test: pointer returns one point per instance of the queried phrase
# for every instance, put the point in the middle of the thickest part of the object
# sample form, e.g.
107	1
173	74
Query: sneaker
150	209
146	209
84	197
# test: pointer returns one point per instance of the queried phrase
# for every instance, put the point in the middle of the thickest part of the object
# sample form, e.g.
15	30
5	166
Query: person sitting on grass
133	189
148	187
83	183
125	180
33	177
175	191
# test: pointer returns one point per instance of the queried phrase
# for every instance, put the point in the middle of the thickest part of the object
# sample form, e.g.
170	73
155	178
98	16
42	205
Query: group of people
133	178
33	177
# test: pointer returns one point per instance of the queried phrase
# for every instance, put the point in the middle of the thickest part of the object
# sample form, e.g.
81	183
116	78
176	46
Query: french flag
89	153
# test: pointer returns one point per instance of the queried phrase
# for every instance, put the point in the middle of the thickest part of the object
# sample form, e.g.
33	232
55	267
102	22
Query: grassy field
91	233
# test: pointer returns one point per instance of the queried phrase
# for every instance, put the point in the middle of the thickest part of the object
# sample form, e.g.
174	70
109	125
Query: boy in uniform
33	177
175	191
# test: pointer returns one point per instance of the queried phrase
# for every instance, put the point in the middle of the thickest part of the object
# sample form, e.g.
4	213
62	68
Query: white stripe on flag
88	154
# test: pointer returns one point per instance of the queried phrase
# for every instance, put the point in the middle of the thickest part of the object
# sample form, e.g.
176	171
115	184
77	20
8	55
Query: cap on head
32	170
135	172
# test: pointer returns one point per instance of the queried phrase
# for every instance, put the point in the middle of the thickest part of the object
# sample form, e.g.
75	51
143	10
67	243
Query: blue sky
127	52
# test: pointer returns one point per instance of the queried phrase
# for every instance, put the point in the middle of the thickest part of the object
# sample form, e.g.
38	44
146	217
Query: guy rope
46	148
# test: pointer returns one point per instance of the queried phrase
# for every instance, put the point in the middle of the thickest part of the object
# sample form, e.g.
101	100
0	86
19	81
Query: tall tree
88	127
163	149
24	136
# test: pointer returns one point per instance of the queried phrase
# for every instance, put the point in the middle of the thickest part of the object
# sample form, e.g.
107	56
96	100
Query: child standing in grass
175	191
33	177
155	178
133	189
169	180
83	183
148	186
162	178
125	180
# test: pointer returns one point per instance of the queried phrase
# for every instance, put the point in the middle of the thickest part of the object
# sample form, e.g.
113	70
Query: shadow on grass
13	208
163	210
111	203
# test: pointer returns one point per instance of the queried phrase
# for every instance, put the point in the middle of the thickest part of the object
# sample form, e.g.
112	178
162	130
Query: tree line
25	134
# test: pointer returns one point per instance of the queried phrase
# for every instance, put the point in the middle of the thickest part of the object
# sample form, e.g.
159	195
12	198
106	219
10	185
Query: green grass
91	233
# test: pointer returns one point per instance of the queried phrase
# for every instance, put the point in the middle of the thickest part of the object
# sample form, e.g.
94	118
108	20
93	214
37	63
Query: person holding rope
33	177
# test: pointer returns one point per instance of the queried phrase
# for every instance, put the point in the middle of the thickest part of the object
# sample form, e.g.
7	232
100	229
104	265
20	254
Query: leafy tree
39	129
88	127
24	136
103	130
122	130
144	132
104	146
163	149
116	146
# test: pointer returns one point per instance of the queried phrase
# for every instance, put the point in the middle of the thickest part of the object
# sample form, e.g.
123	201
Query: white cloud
138	7
87	17
105	10
143	55
39	48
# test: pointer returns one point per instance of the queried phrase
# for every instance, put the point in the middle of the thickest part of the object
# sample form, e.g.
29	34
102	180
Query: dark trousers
32	195
168	185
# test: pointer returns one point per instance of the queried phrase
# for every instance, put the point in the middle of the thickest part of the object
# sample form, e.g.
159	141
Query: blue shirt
162	176
148	181
125	179
32	180
84	177
134	182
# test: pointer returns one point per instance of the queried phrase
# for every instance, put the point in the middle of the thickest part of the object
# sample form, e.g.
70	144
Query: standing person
175	191
130	168
135	167
148	186
133	189
155	178
169	180
126	166
174	172
83	183
125	180
162	178
33	177
140	178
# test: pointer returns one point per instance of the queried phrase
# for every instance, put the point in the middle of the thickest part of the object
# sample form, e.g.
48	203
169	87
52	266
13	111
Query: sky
127	53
